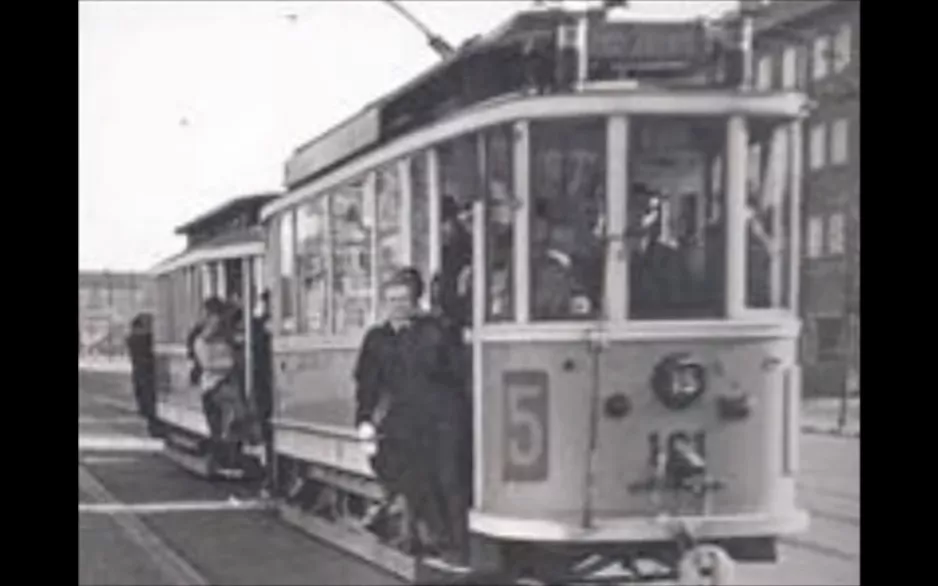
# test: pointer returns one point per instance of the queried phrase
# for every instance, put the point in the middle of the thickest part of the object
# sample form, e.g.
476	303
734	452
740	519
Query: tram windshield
567	218
768	216
676	221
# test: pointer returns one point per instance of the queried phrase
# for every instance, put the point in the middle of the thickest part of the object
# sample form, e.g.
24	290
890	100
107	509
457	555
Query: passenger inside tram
452	293
556	280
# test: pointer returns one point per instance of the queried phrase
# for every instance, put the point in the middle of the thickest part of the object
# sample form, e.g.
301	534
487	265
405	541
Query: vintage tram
633	265
223	258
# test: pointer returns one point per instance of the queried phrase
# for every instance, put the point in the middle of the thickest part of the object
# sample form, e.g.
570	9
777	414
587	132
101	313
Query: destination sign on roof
646	42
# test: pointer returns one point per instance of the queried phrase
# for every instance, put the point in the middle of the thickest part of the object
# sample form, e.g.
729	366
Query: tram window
499	225
352	226
287	279
568	175
420	214
459	179
312	265
768	218
164	310
676	225
388	201
179	306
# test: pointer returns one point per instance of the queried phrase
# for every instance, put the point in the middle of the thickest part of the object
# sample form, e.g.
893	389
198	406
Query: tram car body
634	291
223	258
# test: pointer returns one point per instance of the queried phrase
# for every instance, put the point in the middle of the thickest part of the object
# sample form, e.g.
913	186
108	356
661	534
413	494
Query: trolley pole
436	42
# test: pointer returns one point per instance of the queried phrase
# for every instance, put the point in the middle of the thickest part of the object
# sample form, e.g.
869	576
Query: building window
790	68
840	137
764	74
818	146
835	234
843	47
815	237
829	330
822	55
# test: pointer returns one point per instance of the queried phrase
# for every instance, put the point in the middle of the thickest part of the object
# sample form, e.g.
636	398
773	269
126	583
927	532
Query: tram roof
520	26
243	202
779	14
237	242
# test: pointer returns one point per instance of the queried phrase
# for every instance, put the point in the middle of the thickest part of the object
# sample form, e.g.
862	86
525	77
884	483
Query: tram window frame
771	224
287	310
458	170
321	206
790	77
764	73
387	233
703	145
590	304
368	218
420	194
497	182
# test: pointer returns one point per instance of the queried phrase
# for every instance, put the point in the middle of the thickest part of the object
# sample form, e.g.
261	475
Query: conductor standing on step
406	375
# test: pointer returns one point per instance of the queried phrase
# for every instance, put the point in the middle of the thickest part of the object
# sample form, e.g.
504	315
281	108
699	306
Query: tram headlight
678	381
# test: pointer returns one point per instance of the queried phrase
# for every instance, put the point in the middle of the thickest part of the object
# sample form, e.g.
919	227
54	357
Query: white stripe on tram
114	508
118	443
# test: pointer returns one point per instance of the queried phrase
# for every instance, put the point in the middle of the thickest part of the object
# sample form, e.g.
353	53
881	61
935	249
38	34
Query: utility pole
851	302
436	42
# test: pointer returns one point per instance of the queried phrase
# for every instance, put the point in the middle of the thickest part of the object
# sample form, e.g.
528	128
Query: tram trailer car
223	258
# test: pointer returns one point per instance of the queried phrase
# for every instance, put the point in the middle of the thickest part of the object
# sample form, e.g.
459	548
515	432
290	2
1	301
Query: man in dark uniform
263	380
408	391
143	365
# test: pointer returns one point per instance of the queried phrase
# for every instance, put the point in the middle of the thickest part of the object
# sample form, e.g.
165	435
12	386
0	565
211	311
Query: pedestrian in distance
143	368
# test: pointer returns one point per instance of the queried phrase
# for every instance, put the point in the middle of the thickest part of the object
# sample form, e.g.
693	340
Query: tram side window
676	223
768	216
499	225
568	175
287	280
388	201
180	302
459	177
420	214
164	321
352	225
312	265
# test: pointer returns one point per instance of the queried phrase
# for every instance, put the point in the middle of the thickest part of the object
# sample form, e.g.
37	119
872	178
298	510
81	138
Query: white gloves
367	434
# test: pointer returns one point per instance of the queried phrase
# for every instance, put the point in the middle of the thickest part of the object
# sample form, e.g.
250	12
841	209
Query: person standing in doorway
215	352
408	377
263	382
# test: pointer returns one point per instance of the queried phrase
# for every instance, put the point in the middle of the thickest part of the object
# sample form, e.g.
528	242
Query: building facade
107	302
814	46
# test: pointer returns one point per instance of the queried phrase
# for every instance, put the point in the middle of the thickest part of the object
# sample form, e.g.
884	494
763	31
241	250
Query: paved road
144	521
233	545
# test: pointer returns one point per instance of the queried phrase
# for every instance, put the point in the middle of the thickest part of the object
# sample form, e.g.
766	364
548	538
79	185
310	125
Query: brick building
106	304
814	45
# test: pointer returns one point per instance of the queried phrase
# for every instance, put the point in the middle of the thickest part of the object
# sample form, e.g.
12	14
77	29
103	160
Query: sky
184	105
